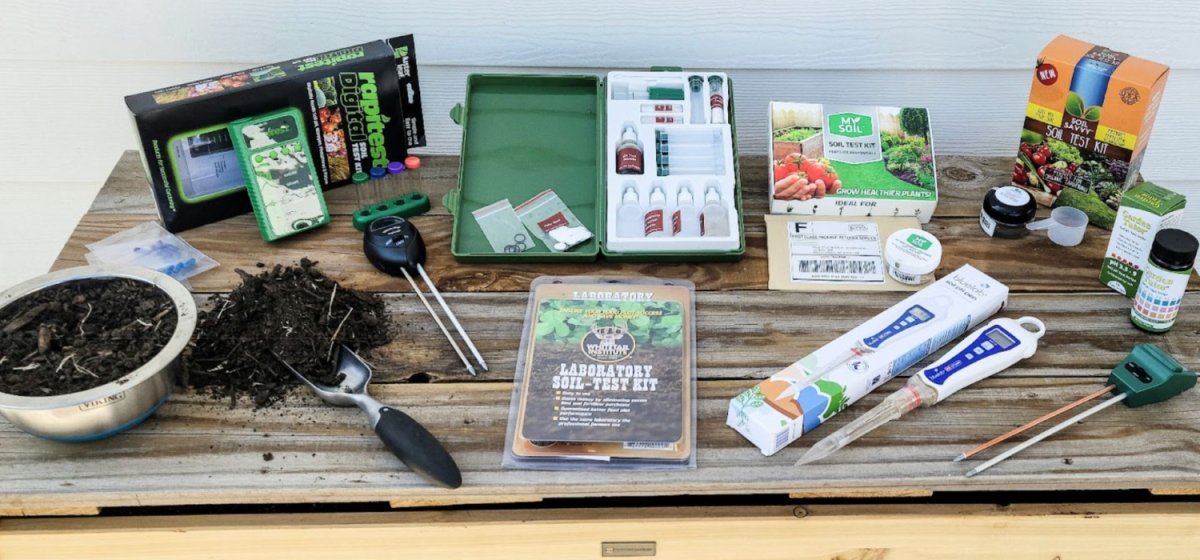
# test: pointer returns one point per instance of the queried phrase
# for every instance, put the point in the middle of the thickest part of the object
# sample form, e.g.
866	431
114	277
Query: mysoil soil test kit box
1145	209
800	397
852	160
361	108
1089	117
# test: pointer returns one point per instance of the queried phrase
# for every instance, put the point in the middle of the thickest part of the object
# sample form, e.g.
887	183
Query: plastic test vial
1160	292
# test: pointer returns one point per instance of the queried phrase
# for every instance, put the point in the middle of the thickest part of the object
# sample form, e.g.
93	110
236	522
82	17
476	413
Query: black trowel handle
414	445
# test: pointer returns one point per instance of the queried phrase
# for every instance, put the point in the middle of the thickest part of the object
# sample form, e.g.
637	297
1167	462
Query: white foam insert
621	112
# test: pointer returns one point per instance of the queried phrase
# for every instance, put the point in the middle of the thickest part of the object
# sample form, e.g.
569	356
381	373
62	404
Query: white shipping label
835	252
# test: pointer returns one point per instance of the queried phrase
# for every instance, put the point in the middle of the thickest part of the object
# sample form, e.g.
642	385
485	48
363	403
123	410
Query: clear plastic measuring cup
1065	226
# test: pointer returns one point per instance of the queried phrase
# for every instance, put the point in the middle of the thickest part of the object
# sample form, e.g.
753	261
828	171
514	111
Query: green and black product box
361	108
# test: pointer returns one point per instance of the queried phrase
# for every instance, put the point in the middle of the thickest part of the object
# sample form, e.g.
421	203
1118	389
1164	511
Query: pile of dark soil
294	311
81	334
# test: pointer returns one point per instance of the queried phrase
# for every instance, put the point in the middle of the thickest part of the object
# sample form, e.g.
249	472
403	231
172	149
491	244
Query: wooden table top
197	451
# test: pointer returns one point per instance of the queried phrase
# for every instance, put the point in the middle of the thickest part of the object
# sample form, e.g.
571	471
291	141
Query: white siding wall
65	66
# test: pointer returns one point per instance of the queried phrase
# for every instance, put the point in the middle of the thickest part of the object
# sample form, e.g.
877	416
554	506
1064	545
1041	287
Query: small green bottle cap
360	177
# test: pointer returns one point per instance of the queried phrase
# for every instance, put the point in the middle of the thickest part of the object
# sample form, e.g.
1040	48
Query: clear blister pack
606	376
148	245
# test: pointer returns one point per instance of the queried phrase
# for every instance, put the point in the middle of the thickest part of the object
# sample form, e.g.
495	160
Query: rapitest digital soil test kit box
800	397
1145	210
852	160
361	107
1087	123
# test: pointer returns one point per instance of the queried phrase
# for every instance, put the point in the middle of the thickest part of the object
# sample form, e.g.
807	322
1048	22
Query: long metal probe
1002	437
453	319
1058	428
438	320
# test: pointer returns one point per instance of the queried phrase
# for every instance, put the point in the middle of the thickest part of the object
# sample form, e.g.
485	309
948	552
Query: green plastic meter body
1149	375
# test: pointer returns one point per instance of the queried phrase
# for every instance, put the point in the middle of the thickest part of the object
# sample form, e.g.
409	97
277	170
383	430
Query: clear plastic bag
503	229
148	245
546	216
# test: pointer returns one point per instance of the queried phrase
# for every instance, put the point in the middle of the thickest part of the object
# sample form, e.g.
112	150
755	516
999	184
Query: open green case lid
525	133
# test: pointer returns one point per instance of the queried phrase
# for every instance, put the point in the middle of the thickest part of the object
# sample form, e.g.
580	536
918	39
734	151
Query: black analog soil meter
394	246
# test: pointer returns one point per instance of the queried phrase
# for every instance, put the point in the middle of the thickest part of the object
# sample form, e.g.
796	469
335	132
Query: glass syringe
991	349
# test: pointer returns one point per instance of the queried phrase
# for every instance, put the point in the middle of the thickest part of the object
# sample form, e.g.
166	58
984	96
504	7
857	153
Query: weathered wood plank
197	451
811	532
1032	264
743	335
193	452
964	180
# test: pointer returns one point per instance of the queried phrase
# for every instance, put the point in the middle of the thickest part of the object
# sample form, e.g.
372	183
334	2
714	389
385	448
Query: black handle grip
414	445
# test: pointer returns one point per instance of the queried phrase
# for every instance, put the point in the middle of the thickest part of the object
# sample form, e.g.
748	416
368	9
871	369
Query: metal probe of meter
989	350
394	246
912	321
1147	375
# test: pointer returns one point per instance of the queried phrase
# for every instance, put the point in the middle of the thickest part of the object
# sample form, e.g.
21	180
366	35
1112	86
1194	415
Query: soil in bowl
77	335
295	311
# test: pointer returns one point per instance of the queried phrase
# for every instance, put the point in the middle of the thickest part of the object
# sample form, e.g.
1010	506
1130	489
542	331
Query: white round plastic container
912	256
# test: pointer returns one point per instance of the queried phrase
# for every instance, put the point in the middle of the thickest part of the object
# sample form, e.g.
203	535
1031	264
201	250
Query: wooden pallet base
895	532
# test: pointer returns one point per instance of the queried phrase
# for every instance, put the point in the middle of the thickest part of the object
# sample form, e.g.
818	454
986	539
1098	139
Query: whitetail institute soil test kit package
606	376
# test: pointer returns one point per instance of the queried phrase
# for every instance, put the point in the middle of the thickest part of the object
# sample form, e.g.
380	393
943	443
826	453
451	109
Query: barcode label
837	269
782	438
835	252
650	445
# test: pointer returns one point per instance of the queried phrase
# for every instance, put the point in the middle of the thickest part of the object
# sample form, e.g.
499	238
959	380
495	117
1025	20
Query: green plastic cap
360	177
1149	375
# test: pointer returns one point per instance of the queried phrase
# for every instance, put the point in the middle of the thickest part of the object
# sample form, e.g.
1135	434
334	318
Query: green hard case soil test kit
1145	210
1087	123
852	160
645	161
606	376
800	397
360	106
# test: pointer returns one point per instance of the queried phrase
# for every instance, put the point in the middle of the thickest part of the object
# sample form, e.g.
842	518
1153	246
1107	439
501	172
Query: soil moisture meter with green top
280	178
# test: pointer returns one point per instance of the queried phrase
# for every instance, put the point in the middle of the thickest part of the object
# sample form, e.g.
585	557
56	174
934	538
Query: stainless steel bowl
114	407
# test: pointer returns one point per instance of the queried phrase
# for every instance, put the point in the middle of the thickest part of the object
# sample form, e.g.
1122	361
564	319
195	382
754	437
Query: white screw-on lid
629	134
711	195
630	195
657	196
685	196
913	252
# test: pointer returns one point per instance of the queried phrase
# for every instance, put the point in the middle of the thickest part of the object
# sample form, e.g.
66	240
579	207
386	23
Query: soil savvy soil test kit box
1145	209
800	397
361	108
852	160
1087	123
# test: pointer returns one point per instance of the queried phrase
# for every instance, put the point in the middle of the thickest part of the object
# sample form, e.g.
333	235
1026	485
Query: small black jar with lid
1005	212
